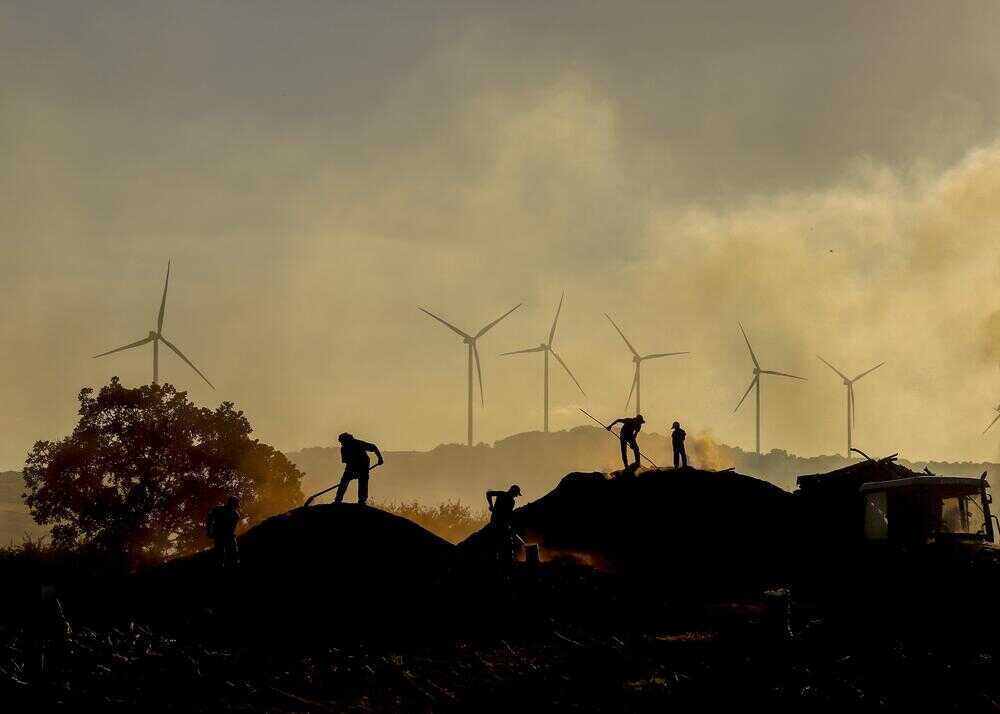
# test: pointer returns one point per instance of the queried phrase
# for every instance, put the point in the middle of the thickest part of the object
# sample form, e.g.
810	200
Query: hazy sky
828	173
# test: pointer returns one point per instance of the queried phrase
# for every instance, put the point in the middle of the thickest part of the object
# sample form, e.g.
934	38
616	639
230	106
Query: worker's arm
374	450
490	495
616	421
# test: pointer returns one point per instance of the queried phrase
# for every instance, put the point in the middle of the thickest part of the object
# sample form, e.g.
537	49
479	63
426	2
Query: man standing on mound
221	526
501	504
677	438
630	429
354	455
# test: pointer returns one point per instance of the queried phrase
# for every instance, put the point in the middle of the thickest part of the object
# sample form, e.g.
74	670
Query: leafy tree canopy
144	466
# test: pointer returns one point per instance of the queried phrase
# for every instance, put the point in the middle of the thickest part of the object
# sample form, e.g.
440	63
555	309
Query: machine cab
923	510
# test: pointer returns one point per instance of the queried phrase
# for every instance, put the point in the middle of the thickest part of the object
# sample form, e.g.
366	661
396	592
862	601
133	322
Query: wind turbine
156	338
849	383
995	419
755	382
638	360
470	340
546	348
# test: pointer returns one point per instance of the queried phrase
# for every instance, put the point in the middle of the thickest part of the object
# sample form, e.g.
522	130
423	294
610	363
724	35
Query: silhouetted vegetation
453	521
143	467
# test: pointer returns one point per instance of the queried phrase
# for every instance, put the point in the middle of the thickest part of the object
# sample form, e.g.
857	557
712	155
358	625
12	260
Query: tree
144	466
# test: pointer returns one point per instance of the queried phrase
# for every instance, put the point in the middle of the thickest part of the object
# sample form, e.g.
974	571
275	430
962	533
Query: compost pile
680	529
318	566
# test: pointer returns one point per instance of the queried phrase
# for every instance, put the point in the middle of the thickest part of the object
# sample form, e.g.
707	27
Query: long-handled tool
327	490
641	455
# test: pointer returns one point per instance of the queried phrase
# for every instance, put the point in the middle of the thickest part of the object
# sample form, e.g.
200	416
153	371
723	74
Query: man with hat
501	504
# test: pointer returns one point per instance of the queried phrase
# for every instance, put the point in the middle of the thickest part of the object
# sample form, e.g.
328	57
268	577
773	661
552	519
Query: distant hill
534	460
537	461
15	523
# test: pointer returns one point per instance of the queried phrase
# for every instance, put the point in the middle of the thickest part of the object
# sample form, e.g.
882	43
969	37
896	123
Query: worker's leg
684	457
635	450
342	487
363	489
232	553
625	454
677	457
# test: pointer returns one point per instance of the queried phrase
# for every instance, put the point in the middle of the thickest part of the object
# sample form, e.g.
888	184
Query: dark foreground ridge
348	608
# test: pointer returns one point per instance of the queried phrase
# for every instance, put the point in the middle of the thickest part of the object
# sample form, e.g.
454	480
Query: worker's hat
514	490
639	418
676	425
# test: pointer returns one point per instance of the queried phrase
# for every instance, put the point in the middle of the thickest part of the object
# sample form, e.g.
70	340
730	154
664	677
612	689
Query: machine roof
970	481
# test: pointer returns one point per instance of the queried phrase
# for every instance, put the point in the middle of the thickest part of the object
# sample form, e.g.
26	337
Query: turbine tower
849	384
638	360
546	348
156	337
470	341
995	419
755	382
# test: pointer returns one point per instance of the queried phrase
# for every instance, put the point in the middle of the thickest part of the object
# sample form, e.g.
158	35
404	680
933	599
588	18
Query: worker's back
354	452
223	521
503	509
630	427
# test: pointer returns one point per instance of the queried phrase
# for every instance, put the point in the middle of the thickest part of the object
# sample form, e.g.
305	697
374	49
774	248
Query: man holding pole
630	429
354	455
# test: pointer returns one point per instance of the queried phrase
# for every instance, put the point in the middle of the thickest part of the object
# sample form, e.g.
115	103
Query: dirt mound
319	563
687	529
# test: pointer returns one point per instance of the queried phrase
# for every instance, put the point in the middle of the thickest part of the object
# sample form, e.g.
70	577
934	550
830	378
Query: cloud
317	175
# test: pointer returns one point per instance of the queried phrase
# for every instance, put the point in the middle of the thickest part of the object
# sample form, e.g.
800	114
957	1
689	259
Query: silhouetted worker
501	504
354	455
677	438
630	429
221	527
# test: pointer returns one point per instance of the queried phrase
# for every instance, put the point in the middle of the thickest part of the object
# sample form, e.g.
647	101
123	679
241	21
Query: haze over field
826	173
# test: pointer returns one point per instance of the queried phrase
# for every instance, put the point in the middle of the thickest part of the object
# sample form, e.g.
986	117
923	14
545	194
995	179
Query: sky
825	173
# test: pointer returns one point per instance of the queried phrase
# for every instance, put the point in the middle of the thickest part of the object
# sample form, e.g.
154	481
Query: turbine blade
490	326
552	332
782	374
523	352
664	354
447	324
842	375
479	372
189	362
995	419
743	398
633	350
560	360
635	376
143	341
163	302
752	355
868	371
